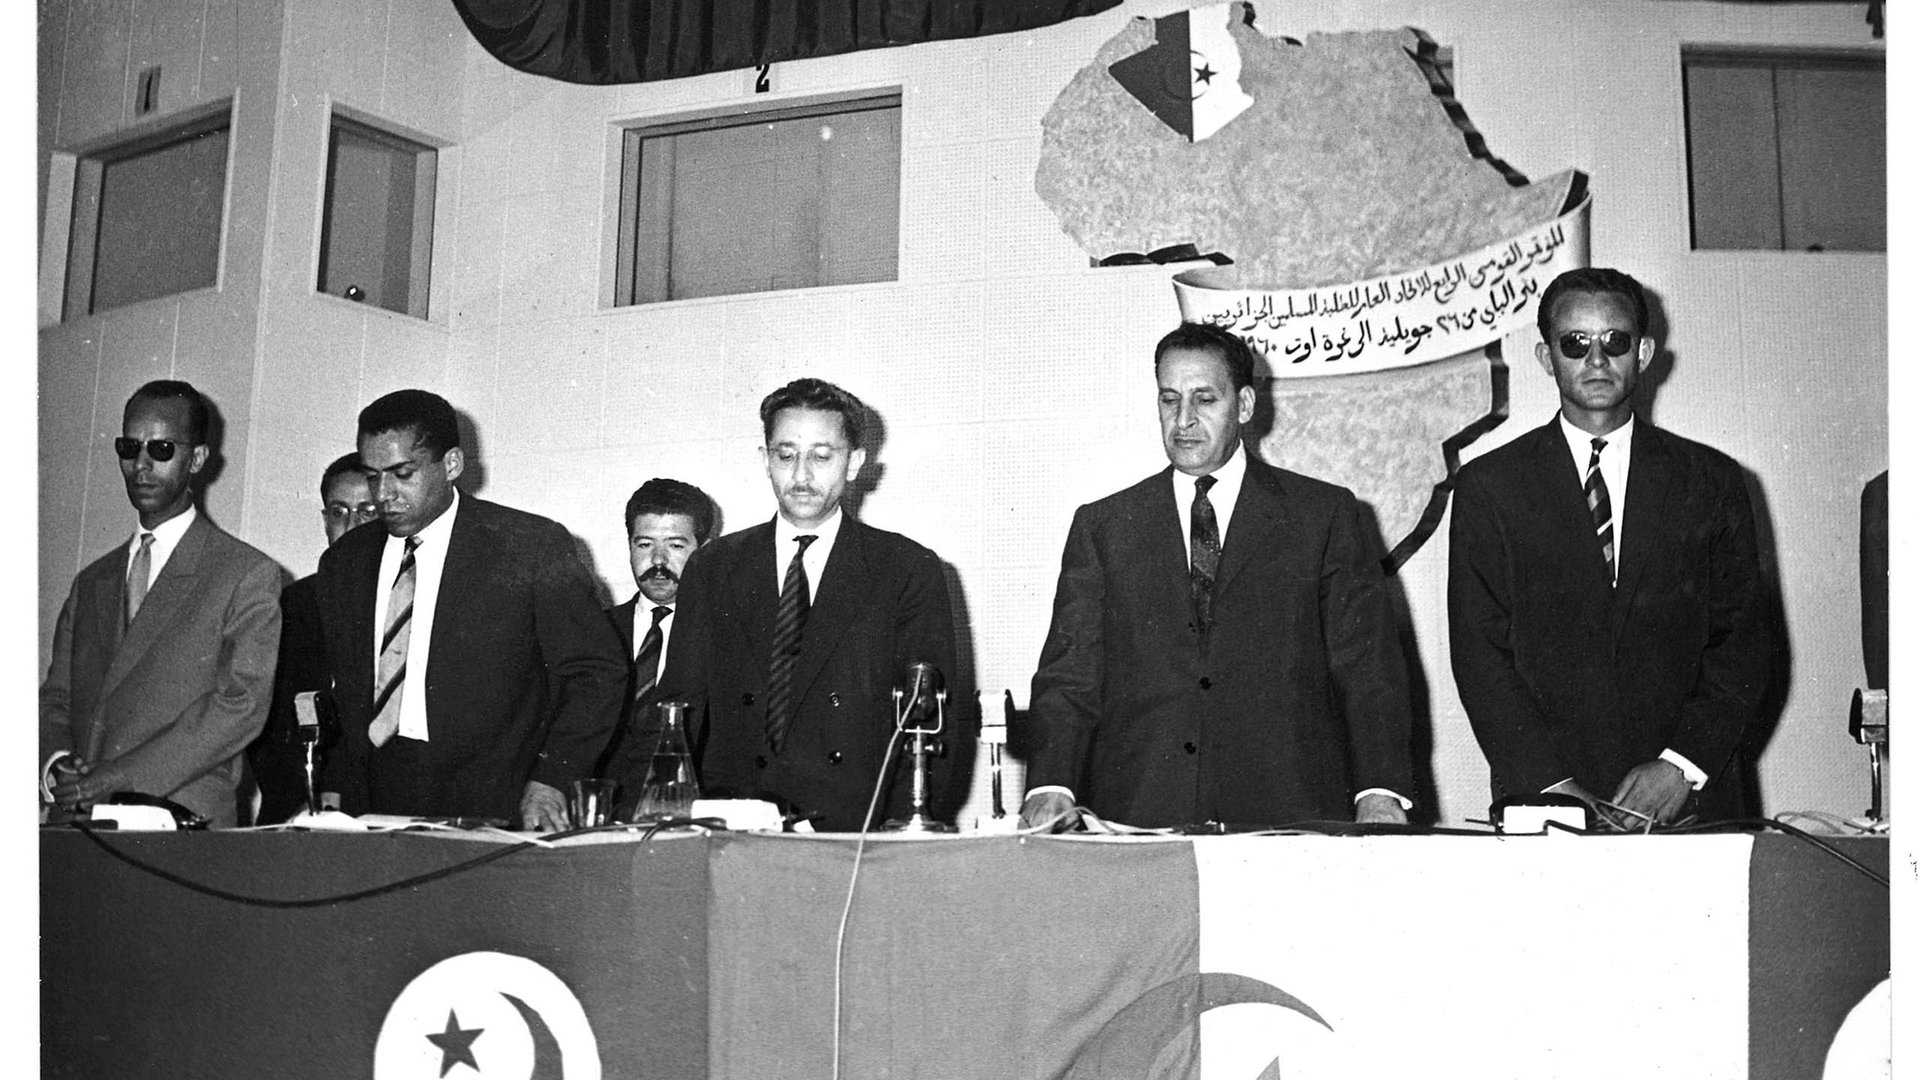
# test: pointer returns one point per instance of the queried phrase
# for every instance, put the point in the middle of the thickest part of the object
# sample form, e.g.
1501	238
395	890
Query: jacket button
833	758
760	761
1191	749
746	699
1206	683
833	700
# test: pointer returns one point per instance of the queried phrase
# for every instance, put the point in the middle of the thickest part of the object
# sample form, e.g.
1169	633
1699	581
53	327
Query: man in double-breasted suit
1610	632
798	630
1222	647
163	657
474	670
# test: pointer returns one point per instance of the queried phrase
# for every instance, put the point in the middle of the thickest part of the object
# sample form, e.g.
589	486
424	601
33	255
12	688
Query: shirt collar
169	532
438	530
1620	438
784	532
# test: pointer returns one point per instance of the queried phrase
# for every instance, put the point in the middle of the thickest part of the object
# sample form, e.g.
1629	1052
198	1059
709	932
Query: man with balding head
163	658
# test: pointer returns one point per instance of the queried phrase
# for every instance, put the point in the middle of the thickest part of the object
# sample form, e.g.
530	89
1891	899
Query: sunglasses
1575	344
157	449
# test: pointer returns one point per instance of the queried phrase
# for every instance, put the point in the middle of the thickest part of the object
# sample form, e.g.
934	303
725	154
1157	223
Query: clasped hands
1055	811
1651	793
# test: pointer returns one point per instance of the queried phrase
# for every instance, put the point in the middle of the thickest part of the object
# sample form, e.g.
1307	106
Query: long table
964	957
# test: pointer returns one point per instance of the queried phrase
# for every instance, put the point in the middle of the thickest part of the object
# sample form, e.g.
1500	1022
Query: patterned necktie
1205	554
137	575
788	625
392	675
646	666
1601	506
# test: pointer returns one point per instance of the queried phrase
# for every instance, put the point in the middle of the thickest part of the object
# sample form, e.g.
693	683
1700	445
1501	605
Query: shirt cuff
1049	789
1695	778
1405	803
46	774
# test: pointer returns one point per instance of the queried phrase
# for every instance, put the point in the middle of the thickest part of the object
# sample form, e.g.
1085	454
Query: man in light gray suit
163	657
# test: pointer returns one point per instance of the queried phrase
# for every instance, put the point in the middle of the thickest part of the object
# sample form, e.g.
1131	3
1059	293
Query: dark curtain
630	41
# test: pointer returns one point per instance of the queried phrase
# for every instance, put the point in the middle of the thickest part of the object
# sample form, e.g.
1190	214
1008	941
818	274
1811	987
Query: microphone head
921	677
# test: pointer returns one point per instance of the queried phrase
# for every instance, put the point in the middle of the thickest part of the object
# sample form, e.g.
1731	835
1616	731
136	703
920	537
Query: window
786	198
1787	150
147	214
376	232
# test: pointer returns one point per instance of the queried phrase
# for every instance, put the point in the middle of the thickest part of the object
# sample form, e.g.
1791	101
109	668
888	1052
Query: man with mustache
667	520
163	657
1611	635
797	631
1221	648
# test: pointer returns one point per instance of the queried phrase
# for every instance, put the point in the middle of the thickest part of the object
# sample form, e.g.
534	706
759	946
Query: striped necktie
788	625
391	677
1204	552
1601	507
646	666
137	575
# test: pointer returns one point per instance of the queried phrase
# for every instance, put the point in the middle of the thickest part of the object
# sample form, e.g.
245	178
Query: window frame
427	170
83	206
626	200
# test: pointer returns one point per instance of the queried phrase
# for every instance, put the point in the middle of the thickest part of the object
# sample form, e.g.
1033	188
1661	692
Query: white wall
1014	381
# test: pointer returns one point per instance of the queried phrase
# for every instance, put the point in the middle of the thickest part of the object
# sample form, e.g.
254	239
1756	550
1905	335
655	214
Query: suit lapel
1649	475
1560	504
836	604
755	595
622	616
468	543
170	592
1258	518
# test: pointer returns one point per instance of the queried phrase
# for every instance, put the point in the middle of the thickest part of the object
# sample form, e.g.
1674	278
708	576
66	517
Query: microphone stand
919	821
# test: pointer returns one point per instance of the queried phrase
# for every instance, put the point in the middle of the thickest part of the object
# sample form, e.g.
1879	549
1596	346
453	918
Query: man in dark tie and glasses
163	657
1222	648
1611	636
798	630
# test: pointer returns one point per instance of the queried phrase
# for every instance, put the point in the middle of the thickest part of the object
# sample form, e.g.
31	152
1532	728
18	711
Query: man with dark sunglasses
163	657
1610	632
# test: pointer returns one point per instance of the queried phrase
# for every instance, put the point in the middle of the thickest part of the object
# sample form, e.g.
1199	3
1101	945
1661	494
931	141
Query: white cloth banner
1395	321
1516	959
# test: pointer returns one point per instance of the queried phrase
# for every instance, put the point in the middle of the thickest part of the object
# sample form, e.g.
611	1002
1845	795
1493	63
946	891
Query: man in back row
797	631
474	670
1222	648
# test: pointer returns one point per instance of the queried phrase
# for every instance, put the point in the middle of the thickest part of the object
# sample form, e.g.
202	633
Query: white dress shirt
429	559
1225	493
1615	460
166	537
814	562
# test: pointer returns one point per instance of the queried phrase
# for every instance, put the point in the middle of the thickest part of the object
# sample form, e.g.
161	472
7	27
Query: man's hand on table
78	783
1051	809
1657	789
1378	809
543	808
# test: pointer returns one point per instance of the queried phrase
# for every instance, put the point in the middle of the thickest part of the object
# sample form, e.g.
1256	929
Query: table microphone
919	710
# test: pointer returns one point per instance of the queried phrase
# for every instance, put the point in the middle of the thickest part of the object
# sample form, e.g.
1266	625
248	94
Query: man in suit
474	672
666	521
1610	633
278	756
1222	648
163	655
797	631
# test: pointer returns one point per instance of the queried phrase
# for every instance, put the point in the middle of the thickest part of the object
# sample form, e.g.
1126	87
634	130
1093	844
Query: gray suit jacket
174	698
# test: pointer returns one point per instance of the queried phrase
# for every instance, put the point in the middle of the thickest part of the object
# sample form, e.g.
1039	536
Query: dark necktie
390	680
1205	554
646	666
1601	506
788	625
137	575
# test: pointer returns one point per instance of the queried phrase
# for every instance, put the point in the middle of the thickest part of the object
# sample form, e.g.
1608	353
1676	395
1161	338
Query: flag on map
1190	76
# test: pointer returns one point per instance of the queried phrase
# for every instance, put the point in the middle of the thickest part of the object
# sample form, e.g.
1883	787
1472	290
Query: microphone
919	710
921	685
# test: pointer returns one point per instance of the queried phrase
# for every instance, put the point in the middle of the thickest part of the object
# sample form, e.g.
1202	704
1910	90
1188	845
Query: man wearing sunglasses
163	657
1610	633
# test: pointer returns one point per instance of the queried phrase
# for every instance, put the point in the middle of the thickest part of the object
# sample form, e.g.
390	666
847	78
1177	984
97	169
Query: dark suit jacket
277	756
1563	676
524	678
881	604
1297	704
176	698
